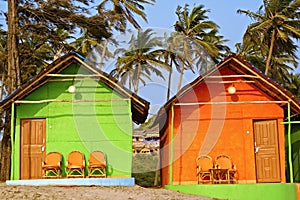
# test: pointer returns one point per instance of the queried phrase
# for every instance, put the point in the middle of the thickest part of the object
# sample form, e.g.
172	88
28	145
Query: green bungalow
72	106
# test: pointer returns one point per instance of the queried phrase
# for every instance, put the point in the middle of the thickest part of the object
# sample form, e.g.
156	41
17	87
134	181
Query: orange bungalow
234	109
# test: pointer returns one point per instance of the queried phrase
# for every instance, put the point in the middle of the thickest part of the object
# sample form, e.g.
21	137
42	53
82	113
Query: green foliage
143	169
269	43
136	64
195	25
125	10
272	36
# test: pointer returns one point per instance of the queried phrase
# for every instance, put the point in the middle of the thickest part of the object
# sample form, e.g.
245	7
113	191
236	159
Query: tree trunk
136	86
157	171
180	77
103	54
58	53
5	149
13	71
12	82
2	86
268	63
169	82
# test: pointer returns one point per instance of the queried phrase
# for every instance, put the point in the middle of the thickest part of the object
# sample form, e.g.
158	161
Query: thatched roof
139	106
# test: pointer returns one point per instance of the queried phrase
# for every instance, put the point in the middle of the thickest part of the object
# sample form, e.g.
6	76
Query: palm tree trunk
180	77
268	63
103	54
169	81
136	84
58	53
157	171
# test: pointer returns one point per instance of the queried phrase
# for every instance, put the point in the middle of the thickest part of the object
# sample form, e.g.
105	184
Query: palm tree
199	36
294	84
141	60
126	9
172	56
281	65
276	25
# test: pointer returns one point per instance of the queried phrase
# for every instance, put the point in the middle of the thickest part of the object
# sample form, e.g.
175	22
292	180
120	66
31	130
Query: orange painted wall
219	129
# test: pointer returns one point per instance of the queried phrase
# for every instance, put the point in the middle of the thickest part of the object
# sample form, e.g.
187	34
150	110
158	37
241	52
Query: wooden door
266	151
33	133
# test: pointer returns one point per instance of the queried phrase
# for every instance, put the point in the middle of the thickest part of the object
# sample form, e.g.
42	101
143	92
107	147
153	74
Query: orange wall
218	129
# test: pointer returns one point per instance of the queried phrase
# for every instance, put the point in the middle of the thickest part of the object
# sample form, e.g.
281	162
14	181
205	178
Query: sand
92	192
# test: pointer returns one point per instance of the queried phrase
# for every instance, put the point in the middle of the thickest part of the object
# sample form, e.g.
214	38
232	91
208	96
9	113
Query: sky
222	12
162	15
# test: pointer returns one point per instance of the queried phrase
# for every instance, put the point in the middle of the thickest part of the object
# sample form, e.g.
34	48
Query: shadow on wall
295	139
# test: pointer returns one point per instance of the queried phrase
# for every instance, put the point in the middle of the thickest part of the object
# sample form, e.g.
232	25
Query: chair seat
50	166
75	167
96	165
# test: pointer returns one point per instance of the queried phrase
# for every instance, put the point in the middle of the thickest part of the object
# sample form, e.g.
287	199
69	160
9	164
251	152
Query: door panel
266	151
33	134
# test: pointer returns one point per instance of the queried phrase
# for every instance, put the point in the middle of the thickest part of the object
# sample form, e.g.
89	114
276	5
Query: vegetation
40	31
269	42
198	36
140	60
143	169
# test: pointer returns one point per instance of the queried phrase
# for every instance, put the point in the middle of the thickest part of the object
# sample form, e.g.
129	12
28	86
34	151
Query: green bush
143	169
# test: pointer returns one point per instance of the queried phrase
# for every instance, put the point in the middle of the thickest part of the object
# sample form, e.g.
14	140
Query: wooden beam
65	100
236	81
75	75
243	102
234	76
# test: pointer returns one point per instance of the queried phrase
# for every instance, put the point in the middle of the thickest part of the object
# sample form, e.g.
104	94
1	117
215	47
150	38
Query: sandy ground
93	192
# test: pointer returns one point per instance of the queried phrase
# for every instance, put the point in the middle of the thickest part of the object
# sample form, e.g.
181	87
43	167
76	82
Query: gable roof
240	66
139	106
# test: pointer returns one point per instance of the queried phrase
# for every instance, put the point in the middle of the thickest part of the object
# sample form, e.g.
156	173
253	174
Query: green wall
83	126
270	191
295	141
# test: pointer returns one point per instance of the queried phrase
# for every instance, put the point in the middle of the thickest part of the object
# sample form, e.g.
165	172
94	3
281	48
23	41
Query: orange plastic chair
75	164
204	165
97	164
224	162
52	165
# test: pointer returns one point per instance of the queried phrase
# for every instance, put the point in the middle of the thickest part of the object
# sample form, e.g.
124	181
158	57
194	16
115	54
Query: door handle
256	149
43	148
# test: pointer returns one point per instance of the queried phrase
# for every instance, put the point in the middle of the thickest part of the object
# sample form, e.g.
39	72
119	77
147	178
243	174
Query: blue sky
222	12
162	15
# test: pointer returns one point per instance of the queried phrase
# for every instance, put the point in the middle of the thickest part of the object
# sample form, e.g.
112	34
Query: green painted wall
241	191
83	126
295	141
